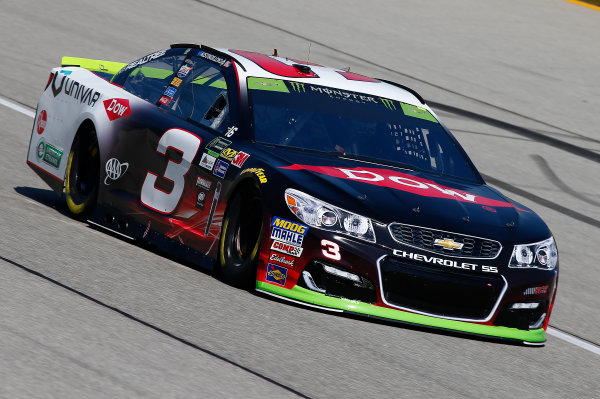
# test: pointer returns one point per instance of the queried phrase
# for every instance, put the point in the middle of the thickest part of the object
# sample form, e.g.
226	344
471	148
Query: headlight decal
324	216
538	255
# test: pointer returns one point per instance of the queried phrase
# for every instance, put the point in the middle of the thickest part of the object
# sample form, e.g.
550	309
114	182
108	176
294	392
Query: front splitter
303	295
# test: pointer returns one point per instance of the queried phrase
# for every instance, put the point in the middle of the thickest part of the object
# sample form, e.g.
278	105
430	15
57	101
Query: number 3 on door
187	144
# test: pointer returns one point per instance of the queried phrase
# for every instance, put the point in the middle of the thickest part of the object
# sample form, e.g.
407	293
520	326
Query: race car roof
274	67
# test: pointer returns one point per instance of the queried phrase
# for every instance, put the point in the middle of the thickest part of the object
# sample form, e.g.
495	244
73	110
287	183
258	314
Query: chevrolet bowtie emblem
448	243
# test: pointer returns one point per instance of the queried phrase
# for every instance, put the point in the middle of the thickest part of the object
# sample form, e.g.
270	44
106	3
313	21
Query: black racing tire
83	175
241	234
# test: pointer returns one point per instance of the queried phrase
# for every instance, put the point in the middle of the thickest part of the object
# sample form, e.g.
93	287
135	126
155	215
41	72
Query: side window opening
149	80
202	98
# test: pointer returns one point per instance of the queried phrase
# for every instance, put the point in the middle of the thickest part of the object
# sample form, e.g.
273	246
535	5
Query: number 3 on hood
187	144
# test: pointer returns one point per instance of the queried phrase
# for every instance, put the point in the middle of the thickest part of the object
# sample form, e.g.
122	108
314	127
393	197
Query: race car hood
388	194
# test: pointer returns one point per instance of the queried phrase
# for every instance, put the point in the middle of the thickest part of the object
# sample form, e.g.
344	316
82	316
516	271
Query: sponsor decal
286	248
330	250
276	274
207	161
536	290
402	181
259	172
344	95
389	104
448	243
72	88
117	108
145	59
170	92
203	183
213	207
147	229
299	87
200	200
114	170
41	121
164	100
239	159
220	168
488	208
213	58
287	231
49	154
231	131
445	262
214	154
218	144
65	72
183	71
228	154
417	112
282	259
176	82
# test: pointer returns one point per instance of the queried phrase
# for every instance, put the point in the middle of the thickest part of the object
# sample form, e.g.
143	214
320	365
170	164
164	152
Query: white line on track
17	107
574	340
551	331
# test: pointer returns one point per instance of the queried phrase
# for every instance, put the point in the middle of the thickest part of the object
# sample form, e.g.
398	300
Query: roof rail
408	89
209	49
184	45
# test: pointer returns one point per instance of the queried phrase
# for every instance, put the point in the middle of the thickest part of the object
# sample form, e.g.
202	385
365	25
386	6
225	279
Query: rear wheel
240	238
83	174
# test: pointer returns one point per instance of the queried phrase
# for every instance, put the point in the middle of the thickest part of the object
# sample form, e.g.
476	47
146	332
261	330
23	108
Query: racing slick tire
83	174
240	238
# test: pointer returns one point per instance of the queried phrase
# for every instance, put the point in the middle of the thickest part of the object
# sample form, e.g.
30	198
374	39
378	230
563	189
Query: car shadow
50	199
45	197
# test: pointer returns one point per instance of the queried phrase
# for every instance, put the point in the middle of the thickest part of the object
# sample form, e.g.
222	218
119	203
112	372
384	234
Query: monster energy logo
299	87
389	104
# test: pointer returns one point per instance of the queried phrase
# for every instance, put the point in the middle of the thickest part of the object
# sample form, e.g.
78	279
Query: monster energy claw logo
389	104
299	87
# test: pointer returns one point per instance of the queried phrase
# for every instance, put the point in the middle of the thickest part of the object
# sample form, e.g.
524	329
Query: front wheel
240	239
83	174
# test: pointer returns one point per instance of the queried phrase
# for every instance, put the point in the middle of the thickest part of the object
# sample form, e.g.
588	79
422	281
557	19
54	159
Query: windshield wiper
378	161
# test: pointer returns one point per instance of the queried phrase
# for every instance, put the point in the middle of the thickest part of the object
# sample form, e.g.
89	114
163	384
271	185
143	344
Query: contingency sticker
267	84
417	112
49	154
276	274
287	231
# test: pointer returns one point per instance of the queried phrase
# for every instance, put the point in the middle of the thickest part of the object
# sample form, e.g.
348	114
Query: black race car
315	184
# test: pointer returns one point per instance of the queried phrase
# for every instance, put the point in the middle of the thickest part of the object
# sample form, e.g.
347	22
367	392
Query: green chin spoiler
534	337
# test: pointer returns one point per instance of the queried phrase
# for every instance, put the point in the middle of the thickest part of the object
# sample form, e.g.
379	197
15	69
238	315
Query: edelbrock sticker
282	259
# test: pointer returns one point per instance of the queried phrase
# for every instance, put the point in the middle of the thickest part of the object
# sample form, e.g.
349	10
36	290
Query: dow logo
117	108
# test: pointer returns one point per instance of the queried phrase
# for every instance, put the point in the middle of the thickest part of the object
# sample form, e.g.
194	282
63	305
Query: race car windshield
352	124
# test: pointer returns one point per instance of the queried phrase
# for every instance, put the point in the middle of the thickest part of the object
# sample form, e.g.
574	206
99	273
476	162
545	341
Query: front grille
424	238
439	291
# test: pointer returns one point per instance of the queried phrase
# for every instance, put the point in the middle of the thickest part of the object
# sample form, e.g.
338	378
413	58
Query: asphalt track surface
84	313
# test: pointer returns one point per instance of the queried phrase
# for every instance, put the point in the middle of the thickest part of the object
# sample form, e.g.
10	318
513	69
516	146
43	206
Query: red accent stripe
274	66
45	171
358	77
